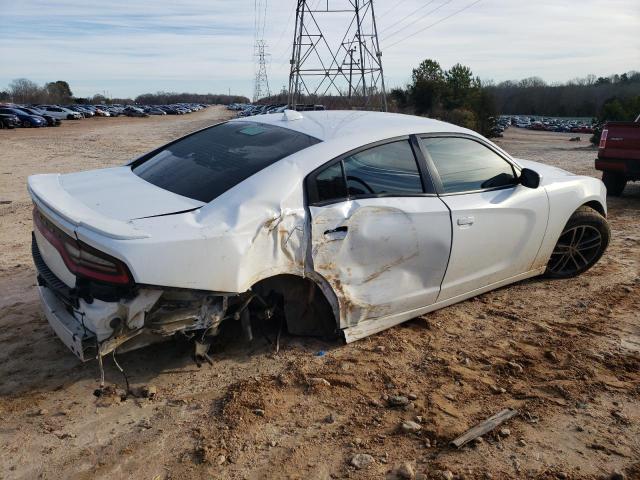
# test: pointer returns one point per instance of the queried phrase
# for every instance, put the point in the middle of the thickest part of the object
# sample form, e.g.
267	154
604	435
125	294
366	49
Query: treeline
581	97
453	95
25	91
162	98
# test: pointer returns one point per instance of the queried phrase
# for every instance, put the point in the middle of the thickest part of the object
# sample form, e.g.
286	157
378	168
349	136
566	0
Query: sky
129	47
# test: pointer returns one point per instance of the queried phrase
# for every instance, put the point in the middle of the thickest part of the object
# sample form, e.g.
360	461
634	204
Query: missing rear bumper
82	342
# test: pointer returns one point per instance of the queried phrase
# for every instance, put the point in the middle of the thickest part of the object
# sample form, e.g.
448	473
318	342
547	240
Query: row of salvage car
14	115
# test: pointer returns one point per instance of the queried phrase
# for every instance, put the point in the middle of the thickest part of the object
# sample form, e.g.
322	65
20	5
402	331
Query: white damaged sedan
337	222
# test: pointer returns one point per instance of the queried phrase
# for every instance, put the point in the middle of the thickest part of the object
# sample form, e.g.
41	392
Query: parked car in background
9	120
581	129
336	222
154	111
80	110
60	113
51	121
102	112
619	155
107	110
25	119
134	112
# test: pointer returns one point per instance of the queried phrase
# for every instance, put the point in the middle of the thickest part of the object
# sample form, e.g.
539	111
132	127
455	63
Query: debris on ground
486	426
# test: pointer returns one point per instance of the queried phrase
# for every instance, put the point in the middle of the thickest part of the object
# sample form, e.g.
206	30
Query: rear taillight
81	259
603	138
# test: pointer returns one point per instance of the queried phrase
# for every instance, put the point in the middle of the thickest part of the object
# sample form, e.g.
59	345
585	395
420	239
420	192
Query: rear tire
581	244
615	183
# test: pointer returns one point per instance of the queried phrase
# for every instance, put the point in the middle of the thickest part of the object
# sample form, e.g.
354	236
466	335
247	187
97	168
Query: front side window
206	164
465	165
385	170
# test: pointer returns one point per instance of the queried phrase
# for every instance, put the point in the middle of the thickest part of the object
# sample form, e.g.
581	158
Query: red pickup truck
619	155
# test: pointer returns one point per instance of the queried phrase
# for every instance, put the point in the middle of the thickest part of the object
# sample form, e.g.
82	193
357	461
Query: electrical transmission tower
261	87
350	66
262	82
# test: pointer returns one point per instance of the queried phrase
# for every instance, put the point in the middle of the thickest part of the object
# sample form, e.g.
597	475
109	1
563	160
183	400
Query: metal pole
359	37
378	53
294	76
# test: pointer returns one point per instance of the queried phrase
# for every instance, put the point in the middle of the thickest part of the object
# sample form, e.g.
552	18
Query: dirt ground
566	354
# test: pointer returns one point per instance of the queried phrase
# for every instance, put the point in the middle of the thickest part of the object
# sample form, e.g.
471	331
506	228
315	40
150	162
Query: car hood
545	171
106	200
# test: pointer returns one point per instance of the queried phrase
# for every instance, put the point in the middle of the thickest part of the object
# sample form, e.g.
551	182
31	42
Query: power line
264	18
404	18
284	57
393	8
410	24
434	24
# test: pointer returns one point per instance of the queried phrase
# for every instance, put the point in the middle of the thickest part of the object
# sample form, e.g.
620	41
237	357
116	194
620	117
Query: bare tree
23	90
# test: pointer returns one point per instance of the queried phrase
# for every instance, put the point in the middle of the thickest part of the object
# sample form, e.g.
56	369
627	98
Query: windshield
206	164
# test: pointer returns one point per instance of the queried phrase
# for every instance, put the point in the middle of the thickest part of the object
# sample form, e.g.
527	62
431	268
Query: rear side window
465	165
206	164
389	169
330	183
386	170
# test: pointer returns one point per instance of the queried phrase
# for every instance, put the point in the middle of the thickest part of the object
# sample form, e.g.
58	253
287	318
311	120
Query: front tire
615	183
581	244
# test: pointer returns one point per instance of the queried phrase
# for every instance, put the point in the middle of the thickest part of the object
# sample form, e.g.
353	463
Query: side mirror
529	178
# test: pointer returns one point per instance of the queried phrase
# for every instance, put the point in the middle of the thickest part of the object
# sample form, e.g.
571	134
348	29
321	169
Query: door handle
465	221
337	233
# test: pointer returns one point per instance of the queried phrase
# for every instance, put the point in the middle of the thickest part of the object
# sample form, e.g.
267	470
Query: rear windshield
206	164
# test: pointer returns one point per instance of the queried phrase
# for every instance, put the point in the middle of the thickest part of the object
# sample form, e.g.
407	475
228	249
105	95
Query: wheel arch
595	205
310	305
564	201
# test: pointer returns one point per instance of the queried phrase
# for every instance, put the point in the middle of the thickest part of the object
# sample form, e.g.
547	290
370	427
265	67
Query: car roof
330	125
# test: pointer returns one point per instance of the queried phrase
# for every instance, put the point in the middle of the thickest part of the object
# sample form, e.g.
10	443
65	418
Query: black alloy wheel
581	244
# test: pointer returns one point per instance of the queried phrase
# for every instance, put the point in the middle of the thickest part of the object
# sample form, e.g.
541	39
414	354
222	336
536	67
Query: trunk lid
106	200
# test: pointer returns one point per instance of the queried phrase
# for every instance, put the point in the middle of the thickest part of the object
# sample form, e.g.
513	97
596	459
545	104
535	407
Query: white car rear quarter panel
253	231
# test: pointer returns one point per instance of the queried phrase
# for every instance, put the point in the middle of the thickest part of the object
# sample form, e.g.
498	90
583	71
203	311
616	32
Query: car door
498	224
379	234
